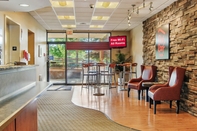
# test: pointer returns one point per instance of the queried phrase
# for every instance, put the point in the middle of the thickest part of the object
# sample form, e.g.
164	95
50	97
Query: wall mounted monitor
118	41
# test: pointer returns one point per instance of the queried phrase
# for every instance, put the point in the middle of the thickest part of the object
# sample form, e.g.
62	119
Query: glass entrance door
56	63
75	58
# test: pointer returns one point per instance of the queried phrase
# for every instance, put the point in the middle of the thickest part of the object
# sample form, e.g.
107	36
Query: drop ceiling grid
42	11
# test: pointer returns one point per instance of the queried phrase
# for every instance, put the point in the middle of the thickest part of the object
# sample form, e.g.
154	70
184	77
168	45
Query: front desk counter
18	107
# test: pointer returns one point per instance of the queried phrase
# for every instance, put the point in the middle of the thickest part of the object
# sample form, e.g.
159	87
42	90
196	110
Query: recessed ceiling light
96	26
106	4
100	18
24	5
66	17
62	3
69	26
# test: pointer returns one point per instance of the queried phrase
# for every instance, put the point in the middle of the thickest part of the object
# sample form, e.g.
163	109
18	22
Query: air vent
82	23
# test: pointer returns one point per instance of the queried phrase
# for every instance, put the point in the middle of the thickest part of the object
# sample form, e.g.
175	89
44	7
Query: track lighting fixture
136	10
151	6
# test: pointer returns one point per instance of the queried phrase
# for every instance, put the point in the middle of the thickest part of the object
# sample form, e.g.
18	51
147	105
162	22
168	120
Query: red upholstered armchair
148	74
168	91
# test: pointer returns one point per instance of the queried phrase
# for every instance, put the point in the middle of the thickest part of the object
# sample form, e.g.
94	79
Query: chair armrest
166	93
135	80
157	86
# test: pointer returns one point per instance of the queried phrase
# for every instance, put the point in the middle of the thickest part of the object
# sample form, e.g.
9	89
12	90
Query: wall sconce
136	10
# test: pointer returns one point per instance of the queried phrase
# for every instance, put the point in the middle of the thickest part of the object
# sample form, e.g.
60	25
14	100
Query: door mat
60	88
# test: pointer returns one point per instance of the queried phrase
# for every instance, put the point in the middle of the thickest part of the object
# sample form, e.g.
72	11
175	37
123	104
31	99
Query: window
77	37
99	37
56	37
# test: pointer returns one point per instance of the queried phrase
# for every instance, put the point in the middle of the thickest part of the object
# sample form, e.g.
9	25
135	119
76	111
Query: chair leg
82	81
115	80
155	104
150	102
129	91
170	104
147	95
139	94
177	106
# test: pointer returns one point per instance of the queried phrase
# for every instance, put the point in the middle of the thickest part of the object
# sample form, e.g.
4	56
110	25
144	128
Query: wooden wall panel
10	127
27	120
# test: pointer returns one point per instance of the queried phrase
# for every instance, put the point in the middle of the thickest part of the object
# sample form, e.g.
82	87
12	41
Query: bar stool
92	68
134	69
100	68
128	70
90	76
110	73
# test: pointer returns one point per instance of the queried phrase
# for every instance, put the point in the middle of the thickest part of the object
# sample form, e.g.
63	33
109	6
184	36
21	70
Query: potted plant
120	59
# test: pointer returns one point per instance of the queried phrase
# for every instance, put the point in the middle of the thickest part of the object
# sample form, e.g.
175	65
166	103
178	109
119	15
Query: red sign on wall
162	42
117	41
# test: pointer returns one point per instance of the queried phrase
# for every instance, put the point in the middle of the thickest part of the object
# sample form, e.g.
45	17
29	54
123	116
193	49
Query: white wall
137	46
27	22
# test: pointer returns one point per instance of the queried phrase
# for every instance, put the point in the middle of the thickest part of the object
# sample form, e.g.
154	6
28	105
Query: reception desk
18	93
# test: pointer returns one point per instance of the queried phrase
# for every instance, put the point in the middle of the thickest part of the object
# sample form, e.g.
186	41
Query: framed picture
162	42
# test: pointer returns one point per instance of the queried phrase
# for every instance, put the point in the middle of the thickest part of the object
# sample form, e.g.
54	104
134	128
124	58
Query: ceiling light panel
100	18
62	4
96	26
69	26
66	17
106	4
24	5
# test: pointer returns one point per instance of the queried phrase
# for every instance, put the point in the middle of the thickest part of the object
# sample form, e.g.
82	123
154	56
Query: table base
112	87
123	89
98	94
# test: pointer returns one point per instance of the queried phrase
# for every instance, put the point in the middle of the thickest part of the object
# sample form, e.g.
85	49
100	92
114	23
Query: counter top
11	107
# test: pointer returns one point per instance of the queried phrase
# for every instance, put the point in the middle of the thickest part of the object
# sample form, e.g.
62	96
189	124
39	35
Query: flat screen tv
118	41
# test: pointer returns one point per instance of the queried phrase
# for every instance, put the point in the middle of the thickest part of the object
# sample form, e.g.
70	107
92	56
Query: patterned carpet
56	112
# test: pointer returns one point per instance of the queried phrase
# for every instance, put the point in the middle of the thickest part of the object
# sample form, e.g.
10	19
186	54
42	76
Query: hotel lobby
160	34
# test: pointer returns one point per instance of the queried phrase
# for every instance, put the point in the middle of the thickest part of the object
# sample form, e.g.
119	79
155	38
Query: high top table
98	66
122	78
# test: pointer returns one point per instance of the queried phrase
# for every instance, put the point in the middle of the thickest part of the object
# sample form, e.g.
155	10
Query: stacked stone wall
182	19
